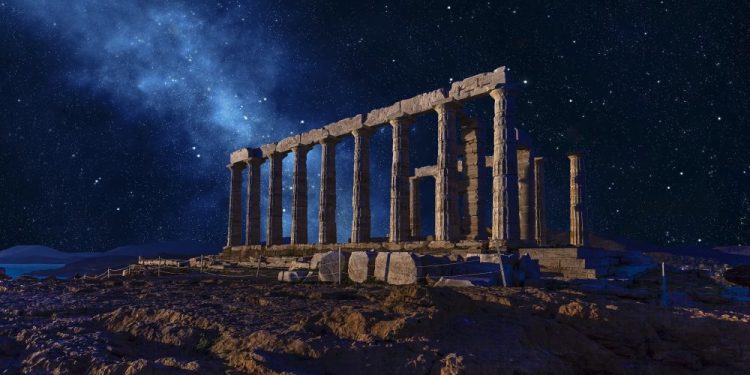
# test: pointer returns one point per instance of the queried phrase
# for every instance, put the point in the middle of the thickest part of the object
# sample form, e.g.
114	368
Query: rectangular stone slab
361	265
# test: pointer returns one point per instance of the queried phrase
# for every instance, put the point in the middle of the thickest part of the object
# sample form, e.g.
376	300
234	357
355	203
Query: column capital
238	166
253	161
449	105
300	148
328	140
362	132
401	121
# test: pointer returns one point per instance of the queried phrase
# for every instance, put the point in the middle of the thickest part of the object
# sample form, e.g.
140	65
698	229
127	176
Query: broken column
299	195
274	234
234	229
414	208
252	223
327	212
399	207
361	187
361	265
526	215
540	230
504	174
577	237
446	205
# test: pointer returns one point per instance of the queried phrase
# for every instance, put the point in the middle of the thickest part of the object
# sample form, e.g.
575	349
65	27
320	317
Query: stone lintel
313	136
286	144
426	171
243	154
267	149
478	85
344	127
423	102
383	115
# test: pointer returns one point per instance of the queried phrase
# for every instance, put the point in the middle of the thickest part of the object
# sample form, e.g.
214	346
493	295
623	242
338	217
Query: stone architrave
577	209
414	227
234	229
540	229
361	265
526	216
252	223
274	234
399	207
361	187
504	174
299	195
327	212
446	207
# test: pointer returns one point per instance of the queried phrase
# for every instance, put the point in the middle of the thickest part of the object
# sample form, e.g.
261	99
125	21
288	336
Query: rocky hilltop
198	324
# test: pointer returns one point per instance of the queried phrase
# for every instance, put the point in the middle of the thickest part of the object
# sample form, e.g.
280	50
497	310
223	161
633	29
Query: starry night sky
117	117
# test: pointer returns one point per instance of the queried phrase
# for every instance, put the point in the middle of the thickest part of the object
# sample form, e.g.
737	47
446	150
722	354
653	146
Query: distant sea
15	270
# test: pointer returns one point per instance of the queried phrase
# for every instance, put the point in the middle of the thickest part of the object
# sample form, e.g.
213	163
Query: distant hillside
40	254
43	254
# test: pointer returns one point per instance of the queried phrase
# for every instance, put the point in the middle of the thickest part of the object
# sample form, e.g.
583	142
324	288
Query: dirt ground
199	325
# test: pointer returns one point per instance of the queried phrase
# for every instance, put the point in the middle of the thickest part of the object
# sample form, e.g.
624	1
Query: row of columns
517	204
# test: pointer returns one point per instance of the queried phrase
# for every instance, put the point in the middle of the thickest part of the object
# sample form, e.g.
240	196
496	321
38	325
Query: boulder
331	268
361	265
403	268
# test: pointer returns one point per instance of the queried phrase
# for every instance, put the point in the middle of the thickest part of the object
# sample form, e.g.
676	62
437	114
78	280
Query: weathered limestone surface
446	207
473	146
402	268
540	229
299	195
274	228
504	175
577	210
426	171
361	224
526	216
267	149
344	127
414	208
287	144
361	265
234	231
478	85
399	207
252	220
327	212
332	267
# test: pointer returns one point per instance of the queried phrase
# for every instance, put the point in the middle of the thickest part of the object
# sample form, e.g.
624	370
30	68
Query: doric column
540	229
299	195
327	212
399	213
446	199
252	221
474	168
577	237
504	174
414	208
361	187
234	229
274	235
526	217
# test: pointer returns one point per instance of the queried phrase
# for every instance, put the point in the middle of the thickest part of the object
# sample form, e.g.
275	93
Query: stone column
540	229
526	217
446	199
414	208
234	229
274	229
252	222
474	168
399	213
361	187
504	175
327	212
577	236
299	195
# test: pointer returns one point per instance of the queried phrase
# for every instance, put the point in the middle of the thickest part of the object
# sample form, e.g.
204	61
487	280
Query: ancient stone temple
515	195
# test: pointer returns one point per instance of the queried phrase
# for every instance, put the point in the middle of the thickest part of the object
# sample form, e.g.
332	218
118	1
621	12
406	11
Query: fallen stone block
331	268
361	265
293	276
461	281
403	269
